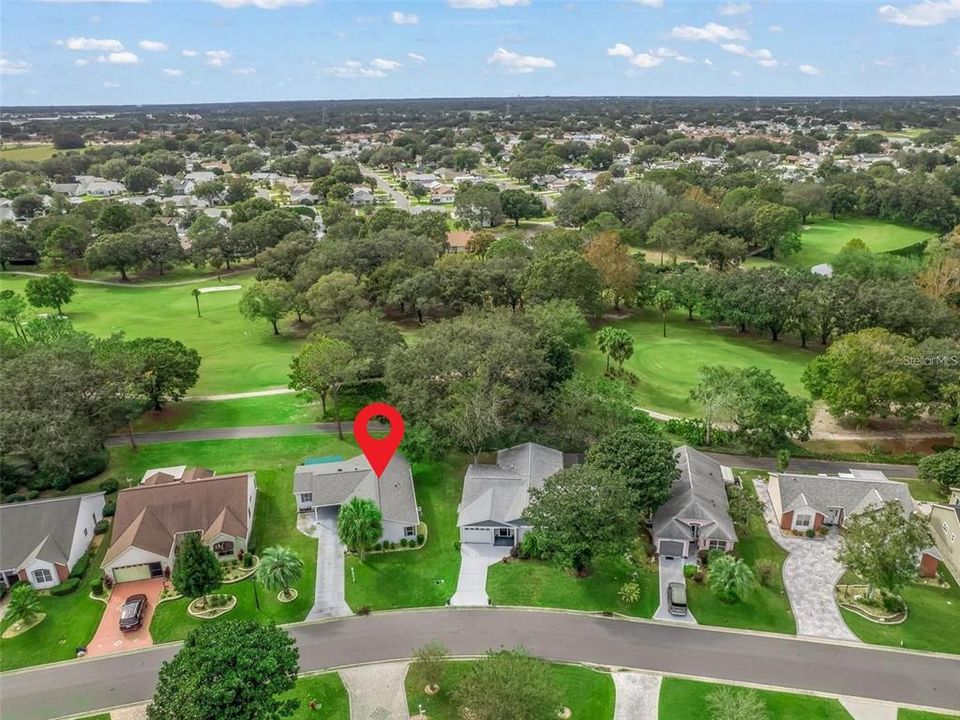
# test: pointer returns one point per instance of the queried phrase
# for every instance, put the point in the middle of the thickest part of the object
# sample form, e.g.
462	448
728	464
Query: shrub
893	603
248	560
531	546
403	542
378	547
16	497
96	587
811	533
694	432
712	556
33	494
107	581
66	587
698	576
109	508
81	567
101	527
702	556
364	610
629	592
420	539
456	545
109	486
764	570
690	570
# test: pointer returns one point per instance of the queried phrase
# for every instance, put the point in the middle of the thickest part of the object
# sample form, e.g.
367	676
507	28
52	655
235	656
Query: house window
224	547
42	576
409	531
695	531
717	545
306	497
85	533
802	521
944	528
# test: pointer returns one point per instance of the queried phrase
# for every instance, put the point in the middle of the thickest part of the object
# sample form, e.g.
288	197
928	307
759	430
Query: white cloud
120	58
153	45
735	8
244	71
14	67
650	3
884	62
646	60
763	56
172	72
484	4
81	62
775	28
665	52
416	57
78	2
400	18
515	63
809	70
685	59
708	62
381	64
736	73
217	58
711	32
620	50
922	14
85	43
353	69
262	4
111	84
189	53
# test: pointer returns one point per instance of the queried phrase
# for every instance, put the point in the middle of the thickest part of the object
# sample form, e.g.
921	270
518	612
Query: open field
237	355
588	693
27	152
687	700
666	368
824	238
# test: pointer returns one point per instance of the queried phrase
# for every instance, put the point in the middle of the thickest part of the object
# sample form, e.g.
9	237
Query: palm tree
664	301
24	604
280	567
605	339
359	525
731	578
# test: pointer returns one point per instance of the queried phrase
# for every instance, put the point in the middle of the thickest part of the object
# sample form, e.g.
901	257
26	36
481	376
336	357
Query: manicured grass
103	716
666	368
931	624
70	623
329	693
274	460
539	584
824	238
27	152
926	490
416	578
767	608
237	355
687	700
907	714
588	693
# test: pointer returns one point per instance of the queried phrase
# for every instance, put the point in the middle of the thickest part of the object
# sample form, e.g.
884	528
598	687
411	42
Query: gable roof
336	483
501	492
861	491
150	515
40	529
699	494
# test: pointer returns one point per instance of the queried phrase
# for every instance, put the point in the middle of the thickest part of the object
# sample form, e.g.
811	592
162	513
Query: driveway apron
472	582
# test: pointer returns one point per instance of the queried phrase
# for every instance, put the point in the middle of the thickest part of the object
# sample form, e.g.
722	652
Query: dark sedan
131	616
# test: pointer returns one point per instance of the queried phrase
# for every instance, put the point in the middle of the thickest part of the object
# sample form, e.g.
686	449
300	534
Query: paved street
857	671
809	465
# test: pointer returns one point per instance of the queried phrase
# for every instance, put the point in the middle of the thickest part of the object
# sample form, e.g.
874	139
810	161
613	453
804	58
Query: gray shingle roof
338	482
853	494
39	529
700	495
501	492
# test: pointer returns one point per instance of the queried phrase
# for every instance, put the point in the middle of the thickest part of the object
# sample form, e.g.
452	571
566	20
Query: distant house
170	503
945	528
495	497
98	186
328	485
808	502
199	176
442	195
70	189
458	240
41	541
696	517
362	196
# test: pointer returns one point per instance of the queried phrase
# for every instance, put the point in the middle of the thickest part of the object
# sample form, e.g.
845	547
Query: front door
503	536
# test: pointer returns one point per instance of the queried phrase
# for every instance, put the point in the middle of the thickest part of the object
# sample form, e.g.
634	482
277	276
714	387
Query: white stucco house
41	541
153	518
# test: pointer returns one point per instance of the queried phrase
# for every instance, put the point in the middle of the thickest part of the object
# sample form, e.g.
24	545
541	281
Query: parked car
131	616
677	598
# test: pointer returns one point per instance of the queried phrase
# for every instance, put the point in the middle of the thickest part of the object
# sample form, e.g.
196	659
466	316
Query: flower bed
412	544
207	608
234	571
850	597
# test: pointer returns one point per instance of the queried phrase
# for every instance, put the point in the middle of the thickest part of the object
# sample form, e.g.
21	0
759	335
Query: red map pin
378	451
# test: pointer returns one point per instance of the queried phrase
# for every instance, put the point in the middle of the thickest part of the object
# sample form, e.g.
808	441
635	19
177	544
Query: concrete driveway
108	638
671	570
474	561
328	599
809	575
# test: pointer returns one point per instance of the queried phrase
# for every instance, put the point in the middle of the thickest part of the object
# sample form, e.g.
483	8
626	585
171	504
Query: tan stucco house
945	528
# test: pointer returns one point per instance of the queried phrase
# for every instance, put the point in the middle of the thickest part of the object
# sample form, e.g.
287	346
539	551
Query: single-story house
458	240
153	517
496	496
808	502
41	540
329	485
696	517
442	195
362	196
945	528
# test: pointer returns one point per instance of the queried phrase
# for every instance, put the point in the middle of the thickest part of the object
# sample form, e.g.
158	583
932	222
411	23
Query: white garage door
132	572
476	535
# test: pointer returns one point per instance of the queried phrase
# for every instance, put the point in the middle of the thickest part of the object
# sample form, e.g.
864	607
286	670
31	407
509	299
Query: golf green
823	238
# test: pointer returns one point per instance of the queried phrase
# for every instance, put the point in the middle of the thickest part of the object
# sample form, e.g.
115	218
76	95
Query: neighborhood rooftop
40	529
855	493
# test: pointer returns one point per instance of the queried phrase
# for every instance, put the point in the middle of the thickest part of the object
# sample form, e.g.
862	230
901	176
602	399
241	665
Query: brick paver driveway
108	638
809	575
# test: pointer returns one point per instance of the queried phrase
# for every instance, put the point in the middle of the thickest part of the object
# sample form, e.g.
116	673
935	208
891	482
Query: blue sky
96	52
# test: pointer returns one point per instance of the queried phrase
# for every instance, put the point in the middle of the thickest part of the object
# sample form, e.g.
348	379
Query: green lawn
27	152
274	460
926	490
824	238
687	700
70	623
416	578
589	694
907	714
666	368
539	584
933	620
102	716
329	693
767	608
237	355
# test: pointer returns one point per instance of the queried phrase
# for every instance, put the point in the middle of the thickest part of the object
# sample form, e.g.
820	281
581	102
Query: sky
85	52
